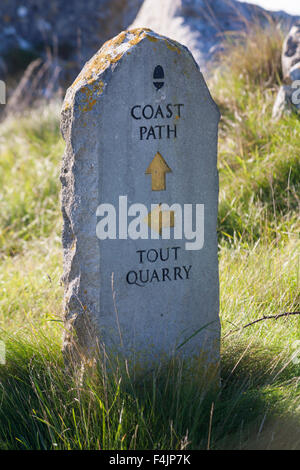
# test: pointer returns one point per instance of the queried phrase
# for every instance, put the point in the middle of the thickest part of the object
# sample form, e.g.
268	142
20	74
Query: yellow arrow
158	169
158	219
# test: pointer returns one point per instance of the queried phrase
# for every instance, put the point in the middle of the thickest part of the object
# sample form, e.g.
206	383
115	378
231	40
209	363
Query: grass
258	157
258	405
30	149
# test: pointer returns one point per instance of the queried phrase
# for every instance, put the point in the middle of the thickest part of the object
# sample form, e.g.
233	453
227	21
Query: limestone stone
282	102
140	128
295	72
287	98
291	51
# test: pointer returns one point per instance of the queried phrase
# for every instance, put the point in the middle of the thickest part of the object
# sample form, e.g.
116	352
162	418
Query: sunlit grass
47	408
30	152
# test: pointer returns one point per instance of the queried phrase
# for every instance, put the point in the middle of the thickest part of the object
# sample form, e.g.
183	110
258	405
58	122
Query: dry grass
254	54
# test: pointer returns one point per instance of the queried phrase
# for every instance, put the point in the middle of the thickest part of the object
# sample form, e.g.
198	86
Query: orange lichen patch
116	59
172	47
100	87
151	38
138	35
137	31
115	42
88	106
67	105
90	94
92	69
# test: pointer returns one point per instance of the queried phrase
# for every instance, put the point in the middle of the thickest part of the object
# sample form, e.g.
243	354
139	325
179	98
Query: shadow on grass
258	400
42	407
253	408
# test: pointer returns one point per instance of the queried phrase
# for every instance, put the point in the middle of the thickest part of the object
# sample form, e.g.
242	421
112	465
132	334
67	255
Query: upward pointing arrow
158	169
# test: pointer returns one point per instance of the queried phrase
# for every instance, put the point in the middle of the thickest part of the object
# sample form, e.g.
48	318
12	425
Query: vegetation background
258	404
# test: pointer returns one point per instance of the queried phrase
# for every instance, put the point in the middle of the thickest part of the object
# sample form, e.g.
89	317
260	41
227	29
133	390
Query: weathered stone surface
291	52
139	123
287	99
283	101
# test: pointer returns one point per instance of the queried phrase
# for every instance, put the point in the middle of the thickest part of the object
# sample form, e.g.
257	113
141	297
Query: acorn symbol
158	77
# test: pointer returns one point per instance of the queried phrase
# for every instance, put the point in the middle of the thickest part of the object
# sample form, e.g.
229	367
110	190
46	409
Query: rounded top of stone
88	81
114	49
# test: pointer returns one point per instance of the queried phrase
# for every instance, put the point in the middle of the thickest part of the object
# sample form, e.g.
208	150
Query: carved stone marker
139	202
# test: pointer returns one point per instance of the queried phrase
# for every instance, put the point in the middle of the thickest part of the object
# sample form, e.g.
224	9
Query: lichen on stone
172	47
111	52
87	82
90	95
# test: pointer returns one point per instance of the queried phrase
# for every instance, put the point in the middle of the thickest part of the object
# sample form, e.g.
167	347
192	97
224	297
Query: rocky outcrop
288	95
64	35
201	24
291	55
72	30
44	44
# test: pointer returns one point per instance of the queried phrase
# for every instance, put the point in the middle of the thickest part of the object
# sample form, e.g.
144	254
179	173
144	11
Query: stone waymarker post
139	201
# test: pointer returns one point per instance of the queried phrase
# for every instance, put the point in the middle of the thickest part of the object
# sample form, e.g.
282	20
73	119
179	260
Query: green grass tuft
30	153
